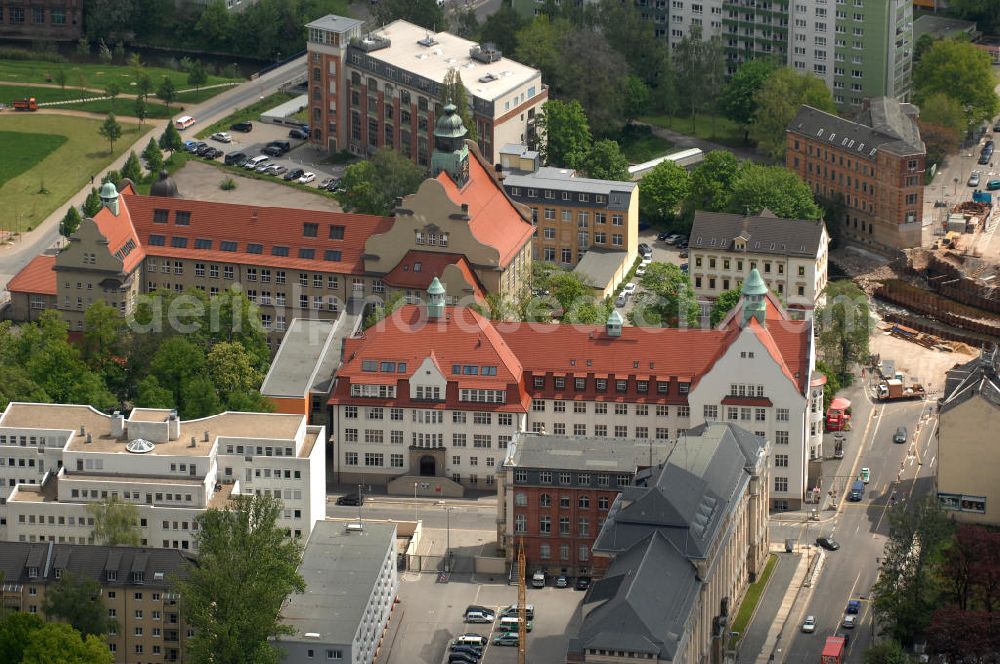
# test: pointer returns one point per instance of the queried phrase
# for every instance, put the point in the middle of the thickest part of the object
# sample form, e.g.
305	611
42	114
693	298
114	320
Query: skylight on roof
820	132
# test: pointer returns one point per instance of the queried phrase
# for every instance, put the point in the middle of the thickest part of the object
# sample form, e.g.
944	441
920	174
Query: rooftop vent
311	635
427	41
355	527
488	78
139	446
370	43
486	52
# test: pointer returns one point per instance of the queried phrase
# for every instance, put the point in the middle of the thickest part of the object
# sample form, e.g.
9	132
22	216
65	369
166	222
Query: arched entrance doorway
427	466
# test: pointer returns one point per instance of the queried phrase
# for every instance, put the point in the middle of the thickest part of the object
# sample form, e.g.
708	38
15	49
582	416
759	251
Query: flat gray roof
941	27
534	450
306	359
563	179
598	266
340	568
334	23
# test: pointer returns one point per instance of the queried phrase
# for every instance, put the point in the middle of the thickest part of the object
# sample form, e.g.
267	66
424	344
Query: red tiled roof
119	231
37	277
432	264
494	219
792	341
249	224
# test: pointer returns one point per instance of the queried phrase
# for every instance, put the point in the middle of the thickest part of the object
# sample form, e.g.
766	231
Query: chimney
90	439
465	208
206	436
193	443
117	425
83	430
500	172
173	426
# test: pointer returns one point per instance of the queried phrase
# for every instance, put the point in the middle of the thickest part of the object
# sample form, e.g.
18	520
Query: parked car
672	238
354	499
850	621
828	543
508	611
479	616
297	133
263	167
900	436
235	158
984	157
562	581
216	153
640	271
506	639
243	162
684	267
621	300
866	474
538	579
684	253
203	149
271	151
645	249
474	651
222	137
662	237
307	178
582	583
462	658
334	186
629	289
853	606
245	126
284	146
809	626
254	162
993	185
996	126
294	174
276	169
470	638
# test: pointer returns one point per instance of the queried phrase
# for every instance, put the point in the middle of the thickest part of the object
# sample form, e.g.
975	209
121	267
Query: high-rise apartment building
384	89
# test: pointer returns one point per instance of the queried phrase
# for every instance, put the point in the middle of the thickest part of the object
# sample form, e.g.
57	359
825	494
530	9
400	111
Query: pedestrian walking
91	180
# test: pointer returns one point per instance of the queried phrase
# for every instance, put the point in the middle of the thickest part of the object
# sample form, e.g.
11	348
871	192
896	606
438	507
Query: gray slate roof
563	179
340	569
548	452
334	23
765	233
159	566
980	376
886	125
598	266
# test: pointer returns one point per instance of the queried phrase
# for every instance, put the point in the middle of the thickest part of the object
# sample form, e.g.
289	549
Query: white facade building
55	459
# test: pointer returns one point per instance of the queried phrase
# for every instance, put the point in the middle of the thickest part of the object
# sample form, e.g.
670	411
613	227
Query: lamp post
414	502
360	500
447	552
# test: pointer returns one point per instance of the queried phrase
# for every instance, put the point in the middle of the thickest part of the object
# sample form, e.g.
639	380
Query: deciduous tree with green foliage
712	181
111	130
150	394
371	187
197	74
92	204
539	45
986	13
699	66
132	169
167	91
153	156
70	222
756	187
961	71
247	566
779	100
723	305
662	190
595	74
104	330
453	92
215	23
886	652
425	13
60	77
77	600
738	99
141	109
501	28
16	628
636	102
605	161
669	301
61	640
564	134
116	522
844	326
633	36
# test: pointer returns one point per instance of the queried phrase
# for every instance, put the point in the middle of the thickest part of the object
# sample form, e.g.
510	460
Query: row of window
567	478
727	263
432	416
582	218
582	197
581	384
424	439
57	15
262	275
545	500
601	408
545	552
545	526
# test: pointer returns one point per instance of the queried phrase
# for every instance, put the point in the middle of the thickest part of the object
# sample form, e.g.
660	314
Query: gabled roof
764	234
980	376
120	233
245	225
863	140
494	219
408	274
37	277
159	567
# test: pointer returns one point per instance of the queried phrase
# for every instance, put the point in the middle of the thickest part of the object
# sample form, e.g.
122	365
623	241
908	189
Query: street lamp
447	551
414	502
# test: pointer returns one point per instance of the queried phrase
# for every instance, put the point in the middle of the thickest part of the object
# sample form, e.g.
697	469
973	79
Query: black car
663	236
235	158
984	158
245	126
643	247
996	126
272	151
294	174
828	543
212	153
462	658
284	146
297	133
352	499
471	651
194	147
582	583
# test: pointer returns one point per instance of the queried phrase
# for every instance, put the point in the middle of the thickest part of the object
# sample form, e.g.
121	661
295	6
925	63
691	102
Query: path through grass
717	129
95	76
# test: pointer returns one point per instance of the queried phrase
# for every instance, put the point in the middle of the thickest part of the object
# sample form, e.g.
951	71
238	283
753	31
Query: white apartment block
791	256
55	459
441	393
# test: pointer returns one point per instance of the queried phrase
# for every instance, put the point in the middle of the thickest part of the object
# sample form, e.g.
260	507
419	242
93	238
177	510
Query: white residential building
55	459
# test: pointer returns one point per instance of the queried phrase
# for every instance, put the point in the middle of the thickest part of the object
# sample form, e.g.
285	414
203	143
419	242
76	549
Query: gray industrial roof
544	451
886	125
941	27
598	266
519	150
563	179
160	567
765	233
305	361
979	376
340	568
334	23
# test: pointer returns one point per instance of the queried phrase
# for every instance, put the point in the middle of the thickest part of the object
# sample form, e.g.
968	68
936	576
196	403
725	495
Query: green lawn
119	106
722	130
95	76
754	593
23	151
251	112
31	194
639	147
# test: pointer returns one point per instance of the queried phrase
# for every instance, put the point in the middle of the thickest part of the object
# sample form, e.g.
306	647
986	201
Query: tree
939	141
605	161
167	91
453	92
844	326
214	24
150	394
972	636
199	398
922	45
564	135
832	383
961	71
738	99
104	329
636	98
132	169
197	74
143	84
985	12
779	100
425	13
66	645
633	37
111	130
699	69
756	187
670	300
539	45
712	181
886	652
662	190
141	109
83	47
77	600
247	566
92	204
371	187
594	74
942	125
723	305
232	368
60	77
465	23
16	628
501	28
70	222
116	523
170	139
111	91
153	157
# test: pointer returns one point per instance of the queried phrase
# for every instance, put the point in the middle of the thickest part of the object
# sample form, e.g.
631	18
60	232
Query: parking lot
434	614
662	253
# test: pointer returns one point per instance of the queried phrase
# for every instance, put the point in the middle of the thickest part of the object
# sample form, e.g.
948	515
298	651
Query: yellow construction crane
522	611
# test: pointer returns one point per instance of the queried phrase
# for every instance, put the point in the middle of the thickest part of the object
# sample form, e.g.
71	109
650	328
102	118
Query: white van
511	624
184	122
511	611
255	162
470	640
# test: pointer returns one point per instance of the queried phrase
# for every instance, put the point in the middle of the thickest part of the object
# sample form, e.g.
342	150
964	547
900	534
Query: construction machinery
893	389
26	104
522	605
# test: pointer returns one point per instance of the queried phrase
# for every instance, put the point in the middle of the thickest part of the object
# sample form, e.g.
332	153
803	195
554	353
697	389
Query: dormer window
111	575
32	572
138	578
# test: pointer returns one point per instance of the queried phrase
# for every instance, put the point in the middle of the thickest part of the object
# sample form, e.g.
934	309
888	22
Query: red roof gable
432	264
37	277
791	340
249	224
494	219
120	234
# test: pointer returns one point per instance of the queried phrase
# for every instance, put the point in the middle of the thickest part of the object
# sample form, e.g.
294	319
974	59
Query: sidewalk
772	639
752	643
